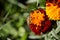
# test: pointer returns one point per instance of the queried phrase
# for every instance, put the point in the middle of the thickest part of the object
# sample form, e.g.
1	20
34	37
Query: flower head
39	22
53	11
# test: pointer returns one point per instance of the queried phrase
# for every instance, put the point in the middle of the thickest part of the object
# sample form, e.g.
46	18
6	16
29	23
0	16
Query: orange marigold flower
53	11
39	21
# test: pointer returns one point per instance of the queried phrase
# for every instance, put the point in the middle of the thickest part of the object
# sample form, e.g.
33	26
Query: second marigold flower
53	11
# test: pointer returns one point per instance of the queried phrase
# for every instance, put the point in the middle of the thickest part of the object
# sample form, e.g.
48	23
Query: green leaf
24	37
8	29
21	31
21	21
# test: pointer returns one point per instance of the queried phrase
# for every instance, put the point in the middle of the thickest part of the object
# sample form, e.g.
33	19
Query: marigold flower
53	11
39	21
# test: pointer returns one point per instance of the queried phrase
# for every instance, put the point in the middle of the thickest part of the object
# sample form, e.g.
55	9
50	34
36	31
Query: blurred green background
13	16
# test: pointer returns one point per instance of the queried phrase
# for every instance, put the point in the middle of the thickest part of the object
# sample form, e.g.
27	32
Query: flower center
36	17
